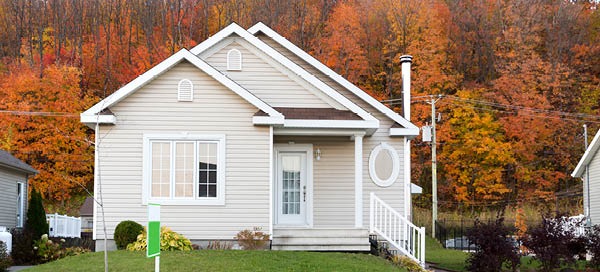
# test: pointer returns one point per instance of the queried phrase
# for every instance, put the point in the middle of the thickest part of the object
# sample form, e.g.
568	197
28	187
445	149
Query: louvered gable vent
185	90
234	60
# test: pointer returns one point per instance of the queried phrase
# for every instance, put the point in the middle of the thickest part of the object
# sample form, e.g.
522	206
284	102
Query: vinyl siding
333	178
594	168
214	110
8	201
268	82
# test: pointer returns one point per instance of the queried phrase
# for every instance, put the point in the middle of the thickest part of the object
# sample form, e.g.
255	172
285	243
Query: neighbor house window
20	204
185	170
234	60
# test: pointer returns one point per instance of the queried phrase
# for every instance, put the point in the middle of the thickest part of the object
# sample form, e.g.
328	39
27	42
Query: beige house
14	175
246	130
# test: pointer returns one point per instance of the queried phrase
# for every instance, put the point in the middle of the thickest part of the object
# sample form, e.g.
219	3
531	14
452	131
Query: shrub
127	232
5	260
554	242
36	215
169	241
22	247
407	263
593	246
494	247
252	240
48	250
219	245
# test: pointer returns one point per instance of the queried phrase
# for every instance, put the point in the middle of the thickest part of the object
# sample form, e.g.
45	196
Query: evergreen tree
36	216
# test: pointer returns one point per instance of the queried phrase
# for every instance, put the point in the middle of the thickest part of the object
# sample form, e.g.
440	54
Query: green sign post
153	242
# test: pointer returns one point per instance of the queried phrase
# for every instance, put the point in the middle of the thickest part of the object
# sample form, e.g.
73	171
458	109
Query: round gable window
384	165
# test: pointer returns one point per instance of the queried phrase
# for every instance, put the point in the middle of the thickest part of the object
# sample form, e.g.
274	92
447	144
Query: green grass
215	260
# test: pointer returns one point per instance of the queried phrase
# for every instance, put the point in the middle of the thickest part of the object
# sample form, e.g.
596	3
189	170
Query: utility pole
434	201
587	181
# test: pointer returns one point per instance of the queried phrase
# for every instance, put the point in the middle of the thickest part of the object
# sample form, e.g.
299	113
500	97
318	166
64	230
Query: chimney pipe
406	61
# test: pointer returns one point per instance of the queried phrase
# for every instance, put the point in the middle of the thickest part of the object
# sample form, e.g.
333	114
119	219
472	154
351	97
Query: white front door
292	192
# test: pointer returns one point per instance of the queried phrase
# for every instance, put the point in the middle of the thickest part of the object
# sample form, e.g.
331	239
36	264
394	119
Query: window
185	90
384	165
184	169
234	60
20	204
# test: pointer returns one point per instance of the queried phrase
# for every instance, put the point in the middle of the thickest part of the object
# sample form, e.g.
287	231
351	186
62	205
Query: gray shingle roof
8	160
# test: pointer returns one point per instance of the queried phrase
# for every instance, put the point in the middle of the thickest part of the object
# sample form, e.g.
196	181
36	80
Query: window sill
185	202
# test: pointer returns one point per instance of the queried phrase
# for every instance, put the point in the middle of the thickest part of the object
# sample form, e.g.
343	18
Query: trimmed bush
169	241
126	233
494	247
5	261
36	216
22	247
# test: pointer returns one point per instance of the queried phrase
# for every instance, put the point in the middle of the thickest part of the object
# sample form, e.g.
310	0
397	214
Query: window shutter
185	90
234	60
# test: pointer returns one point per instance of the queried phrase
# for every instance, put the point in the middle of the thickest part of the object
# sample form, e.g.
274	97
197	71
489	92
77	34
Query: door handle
304	192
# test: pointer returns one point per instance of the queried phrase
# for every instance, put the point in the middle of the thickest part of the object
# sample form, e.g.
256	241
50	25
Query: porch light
318	154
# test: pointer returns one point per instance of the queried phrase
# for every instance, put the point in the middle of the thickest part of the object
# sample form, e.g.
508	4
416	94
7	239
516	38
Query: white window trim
182	98
21	203
229	60
395	165
147	164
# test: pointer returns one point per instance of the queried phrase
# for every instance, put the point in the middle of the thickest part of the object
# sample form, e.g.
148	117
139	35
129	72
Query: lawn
215	260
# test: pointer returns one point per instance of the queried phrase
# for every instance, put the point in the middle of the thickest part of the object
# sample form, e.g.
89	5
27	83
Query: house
588	169
246	130
86	214
13	187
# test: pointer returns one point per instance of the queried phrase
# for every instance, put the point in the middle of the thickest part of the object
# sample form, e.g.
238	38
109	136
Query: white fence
64	226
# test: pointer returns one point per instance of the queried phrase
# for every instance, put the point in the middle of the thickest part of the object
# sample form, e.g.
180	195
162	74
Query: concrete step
320	233
321	239
322	247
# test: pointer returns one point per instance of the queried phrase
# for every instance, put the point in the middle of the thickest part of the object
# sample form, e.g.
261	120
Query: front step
321	239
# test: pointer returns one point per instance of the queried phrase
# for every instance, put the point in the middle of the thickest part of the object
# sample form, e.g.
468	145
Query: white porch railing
397	230
64	226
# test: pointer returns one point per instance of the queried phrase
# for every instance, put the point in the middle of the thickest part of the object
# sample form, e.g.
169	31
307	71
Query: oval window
384	165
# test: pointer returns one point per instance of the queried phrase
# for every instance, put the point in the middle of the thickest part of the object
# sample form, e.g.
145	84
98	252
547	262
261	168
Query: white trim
229	60
164	66
234	28
182	97
308	148
271	183
267	120
587	156
407	184
21	204
260	27
358	180
91	120
317	131
96	175
301	123
221	169
408	132
395	165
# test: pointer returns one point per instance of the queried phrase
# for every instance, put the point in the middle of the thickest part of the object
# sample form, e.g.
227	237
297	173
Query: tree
36	216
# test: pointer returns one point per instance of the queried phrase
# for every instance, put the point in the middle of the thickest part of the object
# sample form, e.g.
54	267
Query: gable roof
587	156
408	129
287	63
96	113
9	161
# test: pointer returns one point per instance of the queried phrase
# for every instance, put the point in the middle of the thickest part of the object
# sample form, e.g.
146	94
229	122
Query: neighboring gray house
247	130
13	190
86	213
590	160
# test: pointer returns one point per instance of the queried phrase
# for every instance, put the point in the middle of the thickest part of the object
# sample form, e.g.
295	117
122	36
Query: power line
41	113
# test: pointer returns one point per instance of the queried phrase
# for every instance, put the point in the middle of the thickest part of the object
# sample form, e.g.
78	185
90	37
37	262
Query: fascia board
260	27
587	156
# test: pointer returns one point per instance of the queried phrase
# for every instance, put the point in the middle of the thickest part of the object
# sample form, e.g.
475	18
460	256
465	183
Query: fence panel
64	226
